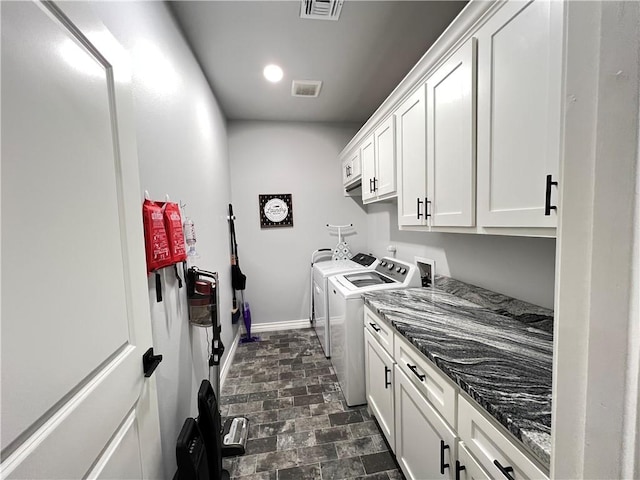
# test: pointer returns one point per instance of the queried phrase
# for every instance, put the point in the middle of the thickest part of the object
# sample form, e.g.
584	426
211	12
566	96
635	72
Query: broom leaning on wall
238	283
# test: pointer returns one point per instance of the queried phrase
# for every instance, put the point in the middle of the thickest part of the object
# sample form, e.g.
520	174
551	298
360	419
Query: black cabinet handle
371	185
506	471
375	327
427	202
418	214
459	468
414	369
387	371
443	465
375	187
547	200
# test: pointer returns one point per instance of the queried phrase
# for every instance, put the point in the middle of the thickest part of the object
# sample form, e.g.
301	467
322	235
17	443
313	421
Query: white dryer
346	308
322	271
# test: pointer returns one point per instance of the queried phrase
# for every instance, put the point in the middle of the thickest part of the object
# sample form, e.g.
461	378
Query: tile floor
300	427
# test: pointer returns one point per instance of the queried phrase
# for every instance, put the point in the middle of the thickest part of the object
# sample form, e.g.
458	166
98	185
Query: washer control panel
393	268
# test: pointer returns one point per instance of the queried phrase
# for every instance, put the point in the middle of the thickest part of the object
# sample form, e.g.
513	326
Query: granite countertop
497	349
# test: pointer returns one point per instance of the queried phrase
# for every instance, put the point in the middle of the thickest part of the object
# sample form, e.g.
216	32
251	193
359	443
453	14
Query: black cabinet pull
387	371
418	214
371	185
414	369
375	327
427	202
459	468
443	465
375	187
547	200
506	471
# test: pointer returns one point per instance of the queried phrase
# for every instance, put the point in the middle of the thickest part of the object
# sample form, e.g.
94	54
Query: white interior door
75	312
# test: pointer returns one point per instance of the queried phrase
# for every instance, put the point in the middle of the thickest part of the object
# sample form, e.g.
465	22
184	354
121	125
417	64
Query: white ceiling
360	58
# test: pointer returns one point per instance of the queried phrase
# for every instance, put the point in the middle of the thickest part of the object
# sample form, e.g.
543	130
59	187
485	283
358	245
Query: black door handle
506	471
387	371
418	214
459	468
443	465
375	188
375	327
547	200
414	369
427	202
371	185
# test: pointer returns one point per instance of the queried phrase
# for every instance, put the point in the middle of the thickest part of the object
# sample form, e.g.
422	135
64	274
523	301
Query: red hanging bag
155	237
175	234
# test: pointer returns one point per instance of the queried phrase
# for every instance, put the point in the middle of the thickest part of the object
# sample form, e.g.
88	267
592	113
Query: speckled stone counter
497	349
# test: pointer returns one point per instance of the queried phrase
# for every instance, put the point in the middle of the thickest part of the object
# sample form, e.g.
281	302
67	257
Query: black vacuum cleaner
229	439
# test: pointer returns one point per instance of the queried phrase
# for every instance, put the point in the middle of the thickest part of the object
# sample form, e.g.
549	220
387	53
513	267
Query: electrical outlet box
427	268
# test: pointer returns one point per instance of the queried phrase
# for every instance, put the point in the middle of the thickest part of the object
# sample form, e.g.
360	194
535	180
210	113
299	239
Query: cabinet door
356	170
468	467
346	171
379	384
451	140
412	159
519	108
368	162
425	446
490	447
385	147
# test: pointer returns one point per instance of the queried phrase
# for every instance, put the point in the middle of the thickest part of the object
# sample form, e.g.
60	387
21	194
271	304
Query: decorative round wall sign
276	210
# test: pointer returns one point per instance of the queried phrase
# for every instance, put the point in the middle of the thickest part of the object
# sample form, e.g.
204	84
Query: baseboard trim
273	326
229	358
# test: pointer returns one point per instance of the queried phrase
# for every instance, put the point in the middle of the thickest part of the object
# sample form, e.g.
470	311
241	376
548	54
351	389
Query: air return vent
305	88
321	9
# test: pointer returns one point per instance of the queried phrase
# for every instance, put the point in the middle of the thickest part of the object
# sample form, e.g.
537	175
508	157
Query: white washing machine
346	308
322	271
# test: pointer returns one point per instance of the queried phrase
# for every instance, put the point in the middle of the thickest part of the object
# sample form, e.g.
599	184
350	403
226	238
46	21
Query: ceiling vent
305	88
321	9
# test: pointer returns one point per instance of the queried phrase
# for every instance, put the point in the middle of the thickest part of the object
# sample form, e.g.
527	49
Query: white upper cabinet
519	109
351	168
368	163
385	139
378	156
477	134
451	135
410	119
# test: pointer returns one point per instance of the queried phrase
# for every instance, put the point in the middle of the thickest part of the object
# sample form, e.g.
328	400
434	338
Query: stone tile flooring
300	427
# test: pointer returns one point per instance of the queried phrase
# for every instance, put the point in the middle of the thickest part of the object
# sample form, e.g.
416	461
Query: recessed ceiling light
273	73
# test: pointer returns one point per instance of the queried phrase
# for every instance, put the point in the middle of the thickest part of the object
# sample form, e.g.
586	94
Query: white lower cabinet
494	451
467	468
433	429
379	385
425	445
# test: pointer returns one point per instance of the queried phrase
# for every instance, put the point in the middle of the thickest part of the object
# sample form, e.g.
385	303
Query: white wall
182	150
519	267
301	159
